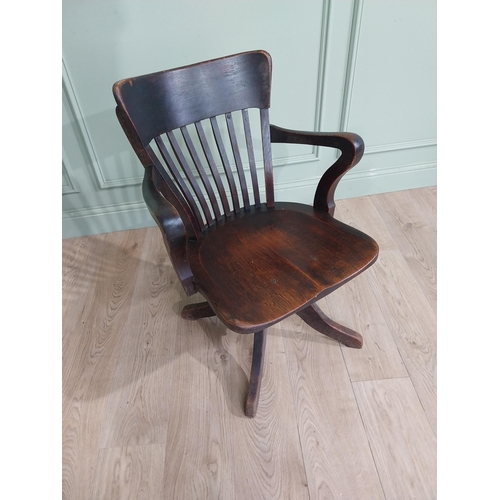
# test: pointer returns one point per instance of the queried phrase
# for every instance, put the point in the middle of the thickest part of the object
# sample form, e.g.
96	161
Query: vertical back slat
213	167
180	181
237	159
201	171
225	163
192	181
251	156
192	213
199	189
266	151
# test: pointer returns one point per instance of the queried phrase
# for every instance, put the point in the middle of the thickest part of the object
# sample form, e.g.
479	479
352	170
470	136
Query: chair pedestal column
312	315
259	346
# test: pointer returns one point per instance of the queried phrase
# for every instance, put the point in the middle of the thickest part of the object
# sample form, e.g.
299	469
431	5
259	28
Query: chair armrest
351	146
172	228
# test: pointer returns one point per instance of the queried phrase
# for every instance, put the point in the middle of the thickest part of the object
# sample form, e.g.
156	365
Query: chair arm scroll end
351	146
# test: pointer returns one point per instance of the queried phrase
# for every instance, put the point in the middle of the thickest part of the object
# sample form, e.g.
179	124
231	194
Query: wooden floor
153	404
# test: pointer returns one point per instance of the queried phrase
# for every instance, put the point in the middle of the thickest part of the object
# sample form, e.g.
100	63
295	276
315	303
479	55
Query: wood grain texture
405	308
170	99
199	461
425	201
258	265
81	274
82	423
230	456
379	358
268	457
89	356
355	304
319	321
415	239
153	404
251	156
137	404
413	326
128	473
401	439
256	373
155	301
288	270
334	444
351	147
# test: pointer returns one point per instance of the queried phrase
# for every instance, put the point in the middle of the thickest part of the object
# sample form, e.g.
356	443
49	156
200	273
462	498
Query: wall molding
353	175
69	188
76	111
103	210
385	180
98	220
119	217
127	215
397	146
322	62
350	69
398	169
99	175
120	183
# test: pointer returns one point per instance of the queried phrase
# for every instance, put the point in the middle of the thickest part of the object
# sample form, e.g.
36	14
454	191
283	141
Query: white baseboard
111	218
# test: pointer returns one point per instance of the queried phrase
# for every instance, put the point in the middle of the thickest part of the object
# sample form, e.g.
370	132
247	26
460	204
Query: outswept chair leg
200	310
259	346
315	318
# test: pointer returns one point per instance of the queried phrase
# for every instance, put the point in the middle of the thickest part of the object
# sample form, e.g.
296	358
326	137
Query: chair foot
259	345
192	312
315	318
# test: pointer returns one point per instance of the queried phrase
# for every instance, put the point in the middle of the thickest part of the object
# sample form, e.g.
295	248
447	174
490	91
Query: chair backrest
186	122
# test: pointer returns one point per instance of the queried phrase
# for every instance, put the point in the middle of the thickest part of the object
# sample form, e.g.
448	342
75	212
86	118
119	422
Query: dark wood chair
255	261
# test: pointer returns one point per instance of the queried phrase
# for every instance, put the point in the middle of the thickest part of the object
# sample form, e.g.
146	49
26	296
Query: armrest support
172	228
351	146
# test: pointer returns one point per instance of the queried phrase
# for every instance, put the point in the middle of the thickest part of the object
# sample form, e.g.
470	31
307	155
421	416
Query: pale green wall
368	66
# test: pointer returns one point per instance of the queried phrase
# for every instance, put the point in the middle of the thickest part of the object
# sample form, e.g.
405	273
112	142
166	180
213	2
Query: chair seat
266	264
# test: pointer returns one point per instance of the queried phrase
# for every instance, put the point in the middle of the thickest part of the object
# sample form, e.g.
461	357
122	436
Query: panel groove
104	183
69	188
82	127
397	146
355	17
361	181
323	53
357	12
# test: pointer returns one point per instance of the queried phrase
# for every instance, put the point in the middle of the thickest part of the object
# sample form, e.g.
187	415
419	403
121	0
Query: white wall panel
394	73
335	64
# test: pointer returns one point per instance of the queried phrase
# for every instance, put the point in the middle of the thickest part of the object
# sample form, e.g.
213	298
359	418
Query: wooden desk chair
256	262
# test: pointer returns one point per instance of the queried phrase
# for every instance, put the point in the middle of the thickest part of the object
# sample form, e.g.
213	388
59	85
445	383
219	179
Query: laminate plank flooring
407	310
355	304
96	320
153	404
128	473
401	438
415	239
334	445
